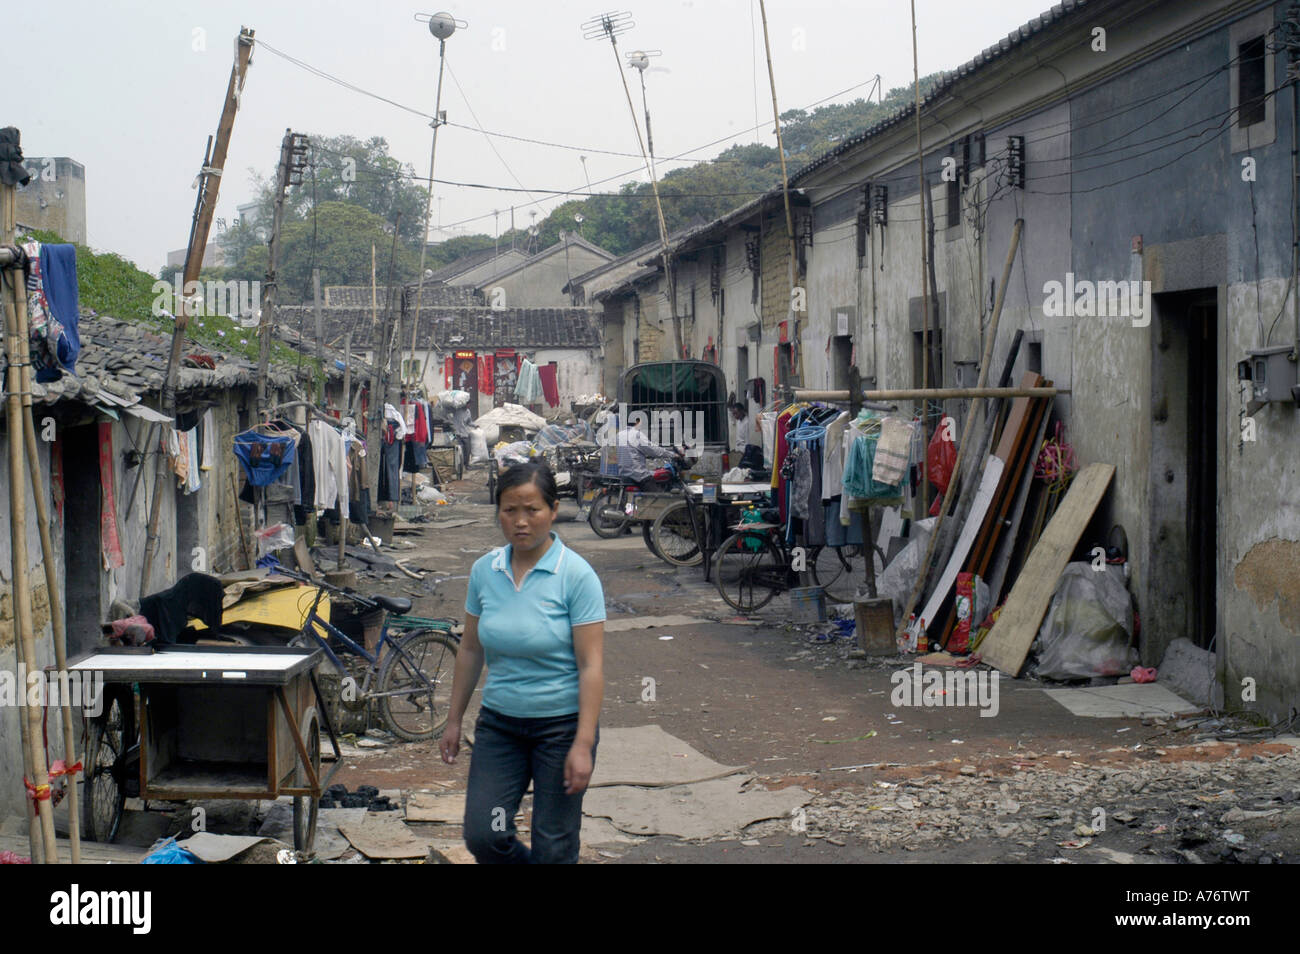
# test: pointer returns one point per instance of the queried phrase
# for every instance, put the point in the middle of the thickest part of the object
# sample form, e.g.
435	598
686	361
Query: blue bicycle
411	667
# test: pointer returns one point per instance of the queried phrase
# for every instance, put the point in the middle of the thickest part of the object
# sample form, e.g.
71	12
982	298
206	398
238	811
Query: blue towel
59	277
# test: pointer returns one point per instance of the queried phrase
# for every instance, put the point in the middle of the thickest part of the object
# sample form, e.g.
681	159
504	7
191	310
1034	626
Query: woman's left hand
577	769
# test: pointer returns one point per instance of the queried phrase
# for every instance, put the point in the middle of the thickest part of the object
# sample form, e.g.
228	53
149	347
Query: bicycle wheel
605	526
750	570
103	795
839	571
673	536
648	537
415	685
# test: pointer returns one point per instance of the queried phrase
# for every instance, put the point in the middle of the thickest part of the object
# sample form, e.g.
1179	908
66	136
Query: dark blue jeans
507	754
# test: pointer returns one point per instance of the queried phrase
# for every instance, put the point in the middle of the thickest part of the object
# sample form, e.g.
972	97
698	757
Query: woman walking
535	613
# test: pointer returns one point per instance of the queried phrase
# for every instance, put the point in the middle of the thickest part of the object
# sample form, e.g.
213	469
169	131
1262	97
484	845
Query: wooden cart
214	722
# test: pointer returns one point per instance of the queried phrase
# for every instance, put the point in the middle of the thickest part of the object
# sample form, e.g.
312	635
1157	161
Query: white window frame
1262	133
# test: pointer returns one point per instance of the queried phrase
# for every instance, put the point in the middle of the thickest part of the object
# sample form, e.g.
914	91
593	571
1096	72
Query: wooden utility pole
925	293
204	209
347	376
289	146
780	148
320	333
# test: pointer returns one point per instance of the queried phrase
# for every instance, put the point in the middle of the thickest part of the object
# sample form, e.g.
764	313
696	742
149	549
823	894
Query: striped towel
893	451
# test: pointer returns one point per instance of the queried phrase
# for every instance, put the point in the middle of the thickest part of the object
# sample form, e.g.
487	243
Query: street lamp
442	26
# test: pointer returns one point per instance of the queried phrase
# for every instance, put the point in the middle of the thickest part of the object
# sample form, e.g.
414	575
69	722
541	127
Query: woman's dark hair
533	472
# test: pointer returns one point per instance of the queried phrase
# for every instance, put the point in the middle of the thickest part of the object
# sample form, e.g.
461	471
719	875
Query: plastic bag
1088	626
478	445
940	459
168	852
278	536
737	475
897	579
454	399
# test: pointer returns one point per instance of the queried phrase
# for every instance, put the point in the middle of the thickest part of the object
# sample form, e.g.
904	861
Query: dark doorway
841	361
785	376
79	447
1184	489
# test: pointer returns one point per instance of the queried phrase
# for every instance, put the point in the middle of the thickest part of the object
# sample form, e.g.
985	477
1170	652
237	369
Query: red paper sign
112	543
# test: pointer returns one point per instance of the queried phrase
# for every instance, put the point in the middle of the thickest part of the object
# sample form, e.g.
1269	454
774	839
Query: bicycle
408	670
755	563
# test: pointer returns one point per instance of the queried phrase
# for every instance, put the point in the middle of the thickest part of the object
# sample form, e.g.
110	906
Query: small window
1251	82
954	202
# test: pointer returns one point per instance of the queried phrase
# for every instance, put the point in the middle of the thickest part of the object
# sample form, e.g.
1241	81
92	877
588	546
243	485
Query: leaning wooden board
1007	643
979	507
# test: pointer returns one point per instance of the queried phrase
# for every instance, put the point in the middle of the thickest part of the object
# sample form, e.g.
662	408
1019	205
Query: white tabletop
206	662
750	488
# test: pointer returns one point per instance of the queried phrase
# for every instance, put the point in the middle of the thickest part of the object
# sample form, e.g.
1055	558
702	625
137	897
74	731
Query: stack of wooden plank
993	521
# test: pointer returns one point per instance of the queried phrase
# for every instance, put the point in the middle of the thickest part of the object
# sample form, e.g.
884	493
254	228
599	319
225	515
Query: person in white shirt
634	448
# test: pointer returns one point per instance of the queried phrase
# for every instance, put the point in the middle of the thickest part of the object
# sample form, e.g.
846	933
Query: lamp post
442	26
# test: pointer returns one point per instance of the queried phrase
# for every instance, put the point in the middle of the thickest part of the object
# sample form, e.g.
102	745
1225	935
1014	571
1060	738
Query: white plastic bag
737	475
1088	626
478	445
454	399
278	536
897	579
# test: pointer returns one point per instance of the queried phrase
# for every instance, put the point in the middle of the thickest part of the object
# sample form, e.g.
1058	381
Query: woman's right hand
449	744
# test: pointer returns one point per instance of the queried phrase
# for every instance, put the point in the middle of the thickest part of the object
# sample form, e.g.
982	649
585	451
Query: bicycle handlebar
343	591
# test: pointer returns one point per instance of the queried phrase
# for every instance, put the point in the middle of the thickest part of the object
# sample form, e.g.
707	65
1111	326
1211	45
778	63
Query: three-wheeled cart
213	722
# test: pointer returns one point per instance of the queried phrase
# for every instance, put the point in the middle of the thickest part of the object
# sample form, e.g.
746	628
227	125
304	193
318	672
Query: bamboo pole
965	444
56	612
917	394
24	624
36	847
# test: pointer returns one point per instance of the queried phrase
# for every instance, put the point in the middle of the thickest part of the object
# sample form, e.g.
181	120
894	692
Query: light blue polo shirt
527	631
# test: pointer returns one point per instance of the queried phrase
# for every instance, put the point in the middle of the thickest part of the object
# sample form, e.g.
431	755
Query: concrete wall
215	532
1105	167
538	284
55	198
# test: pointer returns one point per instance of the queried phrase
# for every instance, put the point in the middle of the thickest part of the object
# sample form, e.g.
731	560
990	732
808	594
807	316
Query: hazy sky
132	90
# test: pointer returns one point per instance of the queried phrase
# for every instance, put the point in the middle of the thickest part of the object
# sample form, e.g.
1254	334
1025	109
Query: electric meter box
1272	373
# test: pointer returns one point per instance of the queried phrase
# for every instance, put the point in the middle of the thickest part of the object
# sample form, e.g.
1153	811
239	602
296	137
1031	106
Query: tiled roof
435	293
121	362
477	327
947	81
461	265
353	296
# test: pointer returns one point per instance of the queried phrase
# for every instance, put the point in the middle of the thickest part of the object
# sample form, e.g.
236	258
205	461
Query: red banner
112	543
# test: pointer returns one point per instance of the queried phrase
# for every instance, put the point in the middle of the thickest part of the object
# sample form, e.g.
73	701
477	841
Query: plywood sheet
1008	641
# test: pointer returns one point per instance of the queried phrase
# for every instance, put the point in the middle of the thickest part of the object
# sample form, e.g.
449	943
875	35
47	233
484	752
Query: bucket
808	604
875	626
